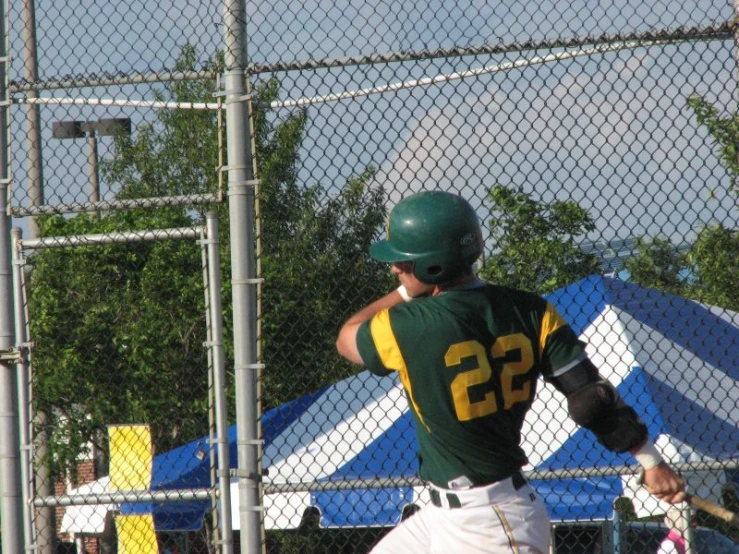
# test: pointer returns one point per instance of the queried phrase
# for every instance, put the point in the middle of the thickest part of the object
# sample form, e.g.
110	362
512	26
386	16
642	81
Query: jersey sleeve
372	343
561	350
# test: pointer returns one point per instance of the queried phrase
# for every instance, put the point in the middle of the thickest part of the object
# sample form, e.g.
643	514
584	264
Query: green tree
533	242
724	131
714	258
658	264
110	332
119	328
308	294
708	271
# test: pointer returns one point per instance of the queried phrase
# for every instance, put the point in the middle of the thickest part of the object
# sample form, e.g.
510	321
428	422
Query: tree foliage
658	264
723	130
715	259
709	269
109	330
317	274
119	328
533	242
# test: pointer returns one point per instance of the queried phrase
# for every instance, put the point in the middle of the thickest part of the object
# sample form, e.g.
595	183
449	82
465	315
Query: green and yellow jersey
469	360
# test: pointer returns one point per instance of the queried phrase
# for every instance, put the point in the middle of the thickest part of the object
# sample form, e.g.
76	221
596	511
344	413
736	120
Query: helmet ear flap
434	272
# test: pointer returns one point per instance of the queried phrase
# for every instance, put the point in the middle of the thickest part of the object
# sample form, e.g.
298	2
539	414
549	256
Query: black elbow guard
598	406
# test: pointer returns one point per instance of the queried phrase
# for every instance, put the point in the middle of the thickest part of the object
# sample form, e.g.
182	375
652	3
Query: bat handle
713	509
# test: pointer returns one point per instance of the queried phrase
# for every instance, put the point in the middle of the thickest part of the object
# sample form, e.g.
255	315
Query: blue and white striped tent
674	360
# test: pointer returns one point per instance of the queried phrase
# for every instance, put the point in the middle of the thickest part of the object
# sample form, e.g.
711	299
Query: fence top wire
105	80
723	31
437	79
598	45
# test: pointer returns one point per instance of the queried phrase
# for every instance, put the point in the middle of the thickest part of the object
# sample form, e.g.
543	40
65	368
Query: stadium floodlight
91	129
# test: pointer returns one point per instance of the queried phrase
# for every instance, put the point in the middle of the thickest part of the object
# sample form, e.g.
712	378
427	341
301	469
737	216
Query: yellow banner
136	535
130	457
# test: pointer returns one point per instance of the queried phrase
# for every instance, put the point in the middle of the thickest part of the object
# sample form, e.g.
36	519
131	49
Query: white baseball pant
495	519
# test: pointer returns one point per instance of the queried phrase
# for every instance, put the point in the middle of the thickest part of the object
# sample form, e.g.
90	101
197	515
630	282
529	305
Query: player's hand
662	482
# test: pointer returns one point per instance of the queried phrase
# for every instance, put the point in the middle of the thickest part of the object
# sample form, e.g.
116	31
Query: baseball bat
704	505
714	509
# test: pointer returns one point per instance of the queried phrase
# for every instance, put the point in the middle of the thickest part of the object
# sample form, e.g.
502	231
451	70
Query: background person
675	540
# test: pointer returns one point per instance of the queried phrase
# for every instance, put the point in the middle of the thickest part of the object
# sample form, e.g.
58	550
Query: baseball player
469	354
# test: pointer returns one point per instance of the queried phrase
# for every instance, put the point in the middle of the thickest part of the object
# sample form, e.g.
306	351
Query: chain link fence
194	186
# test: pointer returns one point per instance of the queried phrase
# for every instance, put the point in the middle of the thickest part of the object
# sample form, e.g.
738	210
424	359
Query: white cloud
612	132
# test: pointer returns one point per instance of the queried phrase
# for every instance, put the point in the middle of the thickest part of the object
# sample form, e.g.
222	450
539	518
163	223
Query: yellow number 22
513	366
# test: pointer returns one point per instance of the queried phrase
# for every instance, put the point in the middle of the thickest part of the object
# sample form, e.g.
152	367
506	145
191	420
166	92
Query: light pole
91	130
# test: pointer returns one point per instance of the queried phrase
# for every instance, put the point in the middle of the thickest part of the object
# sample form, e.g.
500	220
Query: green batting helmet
437	231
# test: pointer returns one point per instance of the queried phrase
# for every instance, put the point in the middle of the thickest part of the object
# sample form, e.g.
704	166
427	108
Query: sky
610	131
634	157
82	38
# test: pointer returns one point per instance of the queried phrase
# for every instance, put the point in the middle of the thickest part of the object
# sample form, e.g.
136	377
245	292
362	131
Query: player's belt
477	496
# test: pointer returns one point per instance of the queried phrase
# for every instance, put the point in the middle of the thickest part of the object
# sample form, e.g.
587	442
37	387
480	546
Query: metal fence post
241	209
219	381
11	505
24	388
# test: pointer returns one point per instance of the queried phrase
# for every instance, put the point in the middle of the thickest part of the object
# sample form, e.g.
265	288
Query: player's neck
459	282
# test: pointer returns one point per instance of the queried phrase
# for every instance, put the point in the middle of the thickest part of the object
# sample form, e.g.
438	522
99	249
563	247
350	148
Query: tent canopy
675	361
